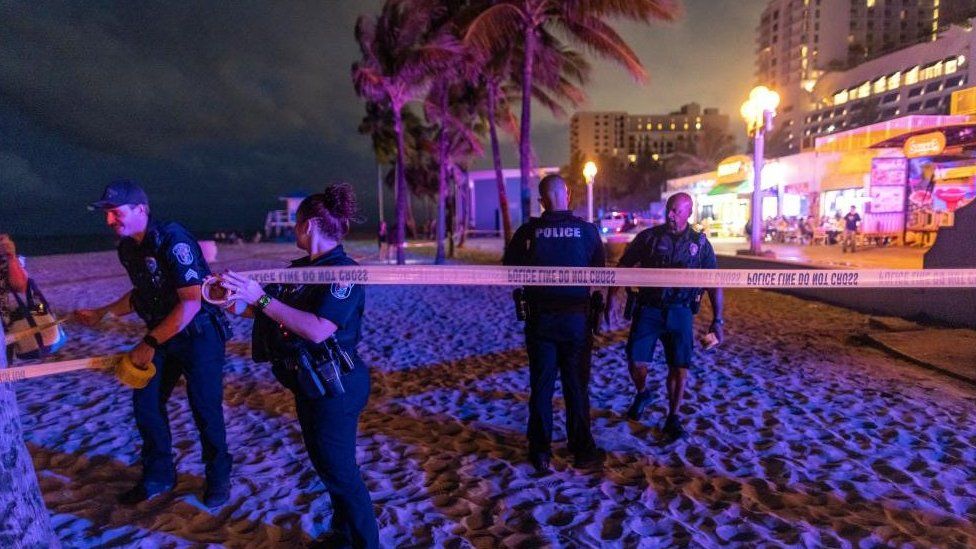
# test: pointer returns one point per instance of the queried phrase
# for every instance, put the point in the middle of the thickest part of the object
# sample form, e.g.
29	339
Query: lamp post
758	112
589	174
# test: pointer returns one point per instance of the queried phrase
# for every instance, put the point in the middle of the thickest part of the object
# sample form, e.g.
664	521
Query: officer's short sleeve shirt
181	257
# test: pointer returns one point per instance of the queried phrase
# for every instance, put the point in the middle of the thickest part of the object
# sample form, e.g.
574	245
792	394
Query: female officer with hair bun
309	334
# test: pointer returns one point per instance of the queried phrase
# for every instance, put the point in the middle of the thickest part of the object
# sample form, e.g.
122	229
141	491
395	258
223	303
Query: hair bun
340	199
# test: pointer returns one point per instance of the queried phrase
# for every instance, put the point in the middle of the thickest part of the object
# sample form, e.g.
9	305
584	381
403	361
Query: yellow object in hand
134	376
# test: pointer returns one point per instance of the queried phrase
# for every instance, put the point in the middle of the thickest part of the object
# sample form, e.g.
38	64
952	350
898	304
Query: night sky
219	110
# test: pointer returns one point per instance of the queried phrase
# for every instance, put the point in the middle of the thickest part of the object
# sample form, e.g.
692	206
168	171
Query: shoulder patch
341	290
183	253
191	275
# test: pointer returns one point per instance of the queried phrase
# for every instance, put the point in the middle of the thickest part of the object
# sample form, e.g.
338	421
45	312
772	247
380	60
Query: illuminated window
672	125
950	66
869	3
879	85
961	59
894	81
852	94
840	97
686	125
648	126
660	126
864	90
697	125
911	77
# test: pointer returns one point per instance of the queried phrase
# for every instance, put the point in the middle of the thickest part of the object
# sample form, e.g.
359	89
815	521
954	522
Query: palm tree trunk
441	181
496	157
401	188
525	132
464	204
24	521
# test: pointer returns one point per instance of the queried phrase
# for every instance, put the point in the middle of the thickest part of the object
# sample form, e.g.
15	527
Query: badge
341	291
151	265
693	249
183	253
190	275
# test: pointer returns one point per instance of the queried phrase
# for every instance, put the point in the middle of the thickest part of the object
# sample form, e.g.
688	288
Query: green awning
726	188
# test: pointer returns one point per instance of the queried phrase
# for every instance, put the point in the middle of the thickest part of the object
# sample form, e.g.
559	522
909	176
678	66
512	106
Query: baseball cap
118	192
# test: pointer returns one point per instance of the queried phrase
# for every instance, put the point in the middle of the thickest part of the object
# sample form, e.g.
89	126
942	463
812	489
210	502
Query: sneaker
541	463
144	491
672	430
591	459
216	493
641	401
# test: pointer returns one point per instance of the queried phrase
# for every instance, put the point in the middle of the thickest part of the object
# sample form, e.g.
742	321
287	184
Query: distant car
616	222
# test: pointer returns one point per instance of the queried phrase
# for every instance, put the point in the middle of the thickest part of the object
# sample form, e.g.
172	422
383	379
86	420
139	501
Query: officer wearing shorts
558	327
667	314
185	338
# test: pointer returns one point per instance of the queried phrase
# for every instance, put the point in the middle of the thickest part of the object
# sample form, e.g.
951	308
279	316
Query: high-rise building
798	41
631	136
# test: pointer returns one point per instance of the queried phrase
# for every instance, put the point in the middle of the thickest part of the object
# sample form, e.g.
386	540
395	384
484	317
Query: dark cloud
220	107
149	78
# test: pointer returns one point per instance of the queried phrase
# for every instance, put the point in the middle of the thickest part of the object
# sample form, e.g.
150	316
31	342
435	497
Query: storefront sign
929	144
733	169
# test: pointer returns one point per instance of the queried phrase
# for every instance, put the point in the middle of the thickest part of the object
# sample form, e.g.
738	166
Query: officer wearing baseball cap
185	337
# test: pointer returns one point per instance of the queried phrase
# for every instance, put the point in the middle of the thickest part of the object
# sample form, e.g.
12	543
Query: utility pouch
306	376
696	300
521	308
630	305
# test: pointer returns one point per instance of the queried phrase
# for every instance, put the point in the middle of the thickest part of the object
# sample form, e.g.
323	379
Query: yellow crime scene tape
491	275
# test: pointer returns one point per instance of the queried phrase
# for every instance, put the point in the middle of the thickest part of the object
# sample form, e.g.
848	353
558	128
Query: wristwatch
148	339
263	302
718	321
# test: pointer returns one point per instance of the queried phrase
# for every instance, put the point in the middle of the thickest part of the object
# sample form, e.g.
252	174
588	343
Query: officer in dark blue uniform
185	337
309	334
558	324
667	314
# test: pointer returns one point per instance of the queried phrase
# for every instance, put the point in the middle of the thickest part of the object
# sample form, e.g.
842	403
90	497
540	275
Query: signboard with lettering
928	144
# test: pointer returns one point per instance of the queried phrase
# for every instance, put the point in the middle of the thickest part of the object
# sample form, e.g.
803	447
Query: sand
799	435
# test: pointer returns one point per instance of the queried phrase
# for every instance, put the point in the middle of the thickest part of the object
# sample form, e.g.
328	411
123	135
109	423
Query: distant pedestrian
852	224
13	278
382	233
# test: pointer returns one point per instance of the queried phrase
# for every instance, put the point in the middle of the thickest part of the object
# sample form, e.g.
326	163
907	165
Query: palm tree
559	78
712	146
533	22
398	59
24	521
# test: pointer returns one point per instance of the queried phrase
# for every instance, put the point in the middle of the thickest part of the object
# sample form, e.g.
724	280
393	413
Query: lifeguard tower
282	222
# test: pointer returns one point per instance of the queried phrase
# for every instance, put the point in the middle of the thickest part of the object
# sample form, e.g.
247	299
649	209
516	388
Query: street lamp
589	174
758	112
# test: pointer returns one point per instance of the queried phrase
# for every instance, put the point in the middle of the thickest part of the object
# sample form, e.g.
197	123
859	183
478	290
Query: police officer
309	334
666	314
185	337
558	327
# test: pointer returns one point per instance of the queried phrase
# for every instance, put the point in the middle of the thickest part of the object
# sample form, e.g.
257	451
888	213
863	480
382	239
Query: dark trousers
559	343
329	426
198	354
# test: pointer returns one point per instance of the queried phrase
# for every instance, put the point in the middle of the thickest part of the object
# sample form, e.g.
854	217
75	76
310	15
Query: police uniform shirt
556	239
167	259
342	304
657	247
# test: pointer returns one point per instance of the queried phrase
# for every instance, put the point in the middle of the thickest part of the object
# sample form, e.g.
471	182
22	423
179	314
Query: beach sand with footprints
799	435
